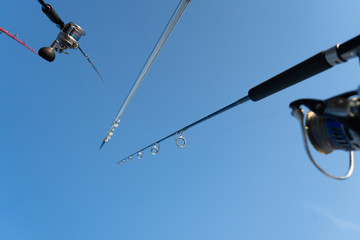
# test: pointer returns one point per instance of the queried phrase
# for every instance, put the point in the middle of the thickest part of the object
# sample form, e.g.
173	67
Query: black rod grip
53	16
349	46
43	4
306	69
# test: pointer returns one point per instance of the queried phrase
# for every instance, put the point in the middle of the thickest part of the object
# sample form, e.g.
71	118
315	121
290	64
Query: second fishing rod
314	65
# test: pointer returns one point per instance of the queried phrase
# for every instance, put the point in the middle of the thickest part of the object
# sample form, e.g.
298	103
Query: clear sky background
243	174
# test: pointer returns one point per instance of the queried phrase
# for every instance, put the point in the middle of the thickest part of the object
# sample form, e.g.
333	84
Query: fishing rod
16	39
314	65
181	140
164	36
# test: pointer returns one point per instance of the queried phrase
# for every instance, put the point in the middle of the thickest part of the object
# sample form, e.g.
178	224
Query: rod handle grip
306	69
53	16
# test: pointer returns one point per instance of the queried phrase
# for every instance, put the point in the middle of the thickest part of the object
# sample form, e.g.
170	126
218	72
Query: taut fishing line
236	125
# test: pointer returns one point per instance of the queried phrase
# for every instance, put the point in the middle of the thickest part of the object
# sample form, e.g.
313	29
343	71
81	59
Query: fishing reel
67	38
333	124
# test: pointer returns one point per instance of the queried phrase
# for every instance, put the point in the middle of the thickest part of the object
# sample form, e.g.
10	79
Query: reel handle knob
47	53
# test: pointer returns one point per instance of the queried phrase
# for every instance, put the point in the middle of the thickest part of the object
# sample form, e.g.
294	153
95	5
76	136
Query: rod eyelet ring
130	158
180	139
139	155
155	149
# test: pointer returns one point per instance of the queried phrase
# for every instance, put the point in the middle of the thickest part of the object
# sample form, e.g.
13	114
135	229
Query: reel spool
69	37
333	124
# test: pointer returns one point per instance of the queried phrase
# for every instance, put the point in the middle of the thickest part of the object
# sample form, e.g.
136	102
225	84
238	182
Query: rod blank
16	39
165	35
224	109
92	64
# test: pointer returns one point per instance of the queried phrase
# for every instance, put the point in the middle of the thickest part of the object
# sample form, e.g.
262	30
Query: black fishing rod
312	66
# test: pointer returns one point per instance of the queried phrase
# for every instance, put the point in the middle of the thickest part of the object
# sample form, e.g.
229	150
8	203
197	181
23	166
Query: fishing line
233	126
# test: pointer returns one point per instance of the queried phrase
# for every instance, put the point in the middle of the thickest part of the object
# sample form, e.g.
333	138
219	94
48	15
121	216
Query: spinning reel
333	124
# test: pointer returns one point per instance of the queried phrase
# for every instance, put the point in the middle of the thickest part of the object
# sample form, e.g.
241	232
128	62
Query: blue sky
243	174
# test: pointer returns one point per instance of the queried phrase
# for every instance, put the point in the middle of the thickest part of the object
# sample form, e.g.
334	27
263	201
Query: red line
13	37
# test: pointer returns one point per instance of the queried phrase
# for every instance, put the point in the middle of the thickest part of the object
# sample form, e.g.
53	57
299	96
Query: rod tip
102	144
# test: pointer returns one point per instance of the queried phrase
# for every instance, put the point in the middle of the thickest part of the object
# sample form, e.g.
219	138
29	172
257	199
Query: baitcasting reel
68	37
333	124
